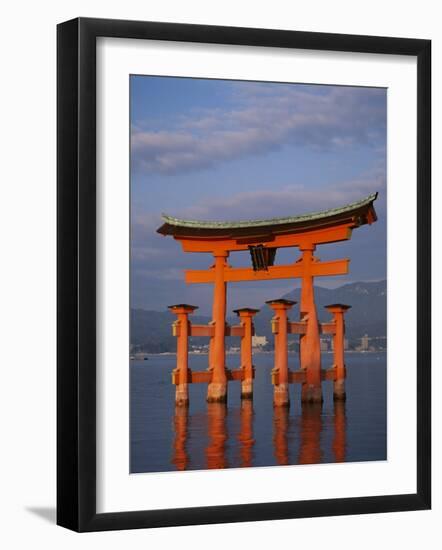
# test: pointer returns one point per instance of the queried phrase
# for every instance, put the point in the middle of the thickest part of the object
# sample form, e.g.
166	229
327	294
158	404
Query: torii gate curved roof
355	214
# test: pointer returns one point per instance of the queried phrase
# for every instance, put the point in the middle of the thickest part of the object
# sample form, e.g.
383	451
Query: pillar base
281	395
247	395
247	390
217	393
182	395
339	391
311	393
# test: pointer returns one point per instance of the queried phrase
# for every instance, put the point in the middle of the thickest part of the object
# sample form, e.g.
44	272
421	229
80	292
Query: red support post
246	318
309	343
217	389
280	373
338	311
180	376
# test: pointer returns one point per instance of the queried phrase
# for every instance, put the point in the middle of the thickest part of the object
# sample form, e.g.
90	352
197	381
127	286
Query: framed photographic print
243	274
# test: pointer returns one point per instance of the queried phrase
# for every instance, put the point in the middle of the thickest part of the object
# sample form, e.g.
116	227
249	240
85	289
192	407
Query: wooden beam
328	374
293	271
202	330
235	330
301	239
237	374
300	376
200	377
209	330
297	327
297	376
327	328
205	376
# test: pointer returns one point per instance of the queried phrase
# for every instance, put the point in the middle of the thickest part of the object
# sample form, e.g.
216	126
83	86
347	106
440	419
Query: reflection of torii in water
309	426
262	238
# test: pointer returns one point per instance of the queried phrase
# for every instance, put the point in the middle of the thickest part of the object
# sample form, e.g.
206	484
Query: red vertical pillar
281	371
210	357
217	389
338	311
310	350
180	375
246	317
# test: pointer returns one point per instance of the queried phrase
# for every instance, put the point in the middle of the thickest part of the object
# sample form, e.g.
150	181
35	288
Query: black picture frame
76	274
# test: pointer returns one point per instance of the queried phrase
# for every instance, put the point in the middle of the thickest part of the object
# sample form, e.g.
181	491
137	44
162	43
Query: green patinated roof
197	224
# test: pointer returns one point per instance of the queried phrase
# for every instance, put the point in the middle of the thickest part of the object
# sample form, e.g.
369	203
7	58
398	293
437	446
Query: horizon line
315	286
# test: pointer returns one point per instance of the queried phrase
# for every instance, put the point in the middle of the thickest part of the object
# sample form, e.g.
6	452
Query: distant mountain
368	313
151	330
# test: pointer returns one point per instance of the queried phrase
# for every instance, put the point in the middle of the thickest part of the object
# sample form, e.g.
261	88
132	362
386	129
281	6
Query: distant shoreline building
365	344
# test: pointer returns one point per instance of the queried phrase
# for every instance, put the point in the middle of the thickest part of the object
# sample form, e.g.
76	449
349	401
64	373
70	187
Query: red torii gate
262	238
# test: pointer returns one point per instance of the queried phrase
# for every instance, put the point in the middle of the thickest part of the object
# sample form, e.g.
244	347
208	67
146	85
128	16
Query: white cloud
263	120
291	200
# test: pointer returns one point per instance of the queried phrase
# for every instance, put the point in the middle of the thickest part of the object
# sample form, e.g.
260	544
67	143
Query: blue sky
217	149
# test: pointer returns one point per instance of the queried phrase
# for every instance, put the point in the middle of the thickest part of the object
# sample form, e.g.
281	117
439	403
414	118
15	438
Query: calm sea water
254	433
